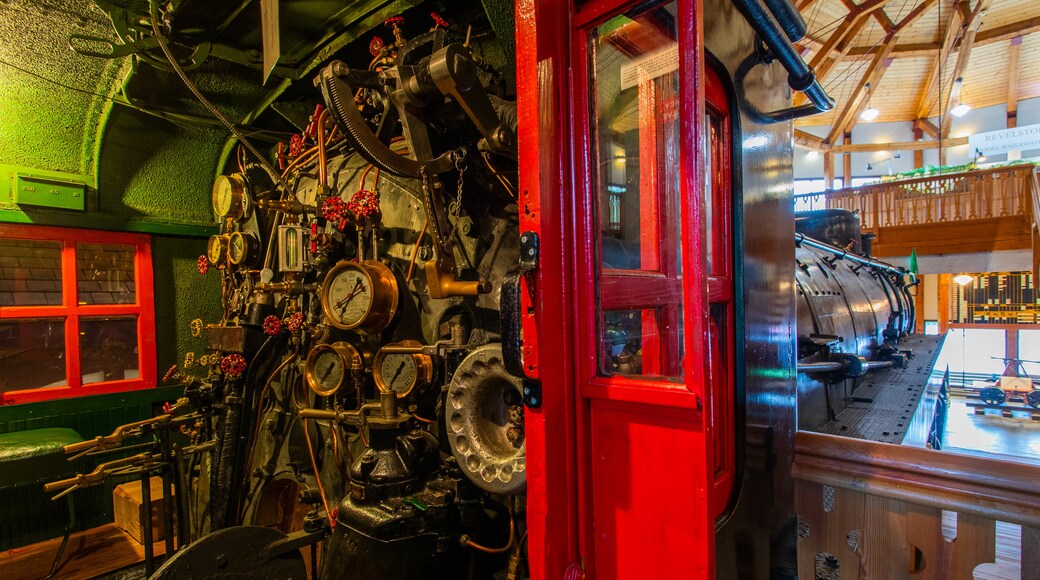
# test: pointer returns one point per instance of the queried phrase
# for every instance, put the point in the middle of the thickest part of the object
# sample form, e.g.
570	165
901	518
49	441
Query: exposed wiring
153	11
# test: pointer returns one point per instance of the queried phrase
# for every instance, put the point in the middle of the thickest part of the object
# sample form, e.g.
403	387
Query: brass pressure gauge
217	249
402	373
242	247
359	295
330	366
231	197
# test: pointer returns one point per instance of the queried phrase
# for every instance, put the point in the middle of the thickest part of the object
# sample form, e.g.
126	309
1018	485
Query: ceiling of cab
85	90
895	45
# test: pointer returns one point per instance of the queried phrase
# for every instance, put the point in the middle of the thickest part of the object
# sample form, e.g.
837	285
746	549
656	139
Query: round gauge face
327	372
239	247
399	373
215	249
223	195
349	298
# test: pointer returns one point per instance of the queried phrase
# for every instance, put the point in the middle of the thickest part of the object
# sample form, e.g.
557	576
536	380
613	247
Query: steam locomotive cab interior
490	290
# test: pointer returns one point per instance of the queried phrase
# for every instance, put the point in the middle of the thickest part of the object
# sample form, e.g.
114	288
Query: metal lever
511	318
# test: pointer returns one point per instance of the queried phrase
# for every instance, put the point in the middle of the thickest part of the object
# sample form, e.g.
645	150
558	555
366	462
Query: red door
632	316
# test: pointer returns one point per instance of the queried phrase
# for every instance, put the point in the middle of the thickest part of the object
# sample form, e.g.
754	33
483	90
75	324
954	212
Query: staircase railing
875	510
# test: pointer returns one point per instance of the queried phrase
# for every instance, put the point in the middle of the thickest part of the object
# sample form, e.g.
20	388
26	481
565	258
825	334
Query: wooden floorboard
90	553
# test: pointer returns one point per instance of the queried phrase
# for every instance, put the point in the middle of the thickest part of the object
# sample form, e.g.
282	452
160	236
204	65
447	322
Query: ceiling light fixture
870	113
963	279
960	110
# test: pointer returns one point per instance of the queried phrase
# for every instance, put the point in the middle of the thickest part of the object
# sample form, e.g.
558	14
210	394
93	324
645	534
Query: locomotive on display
534	317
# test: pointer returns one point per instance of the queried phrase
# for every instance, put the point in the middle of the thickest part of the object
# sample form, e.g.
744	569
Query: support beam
983	38
846	162
898	146
928	127
1014	50
810	141
879	15
840	42
877	68
967	42
954	29
828	170
918	153
944	302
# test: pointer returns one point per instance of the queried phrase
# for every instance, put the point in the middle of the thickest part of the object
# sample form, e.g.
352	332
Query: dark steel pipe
801	239
821	367
788	18
800	76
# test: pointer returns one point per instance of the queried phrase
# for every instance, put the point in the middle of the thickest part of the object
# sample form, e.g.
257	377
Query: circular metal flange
485	422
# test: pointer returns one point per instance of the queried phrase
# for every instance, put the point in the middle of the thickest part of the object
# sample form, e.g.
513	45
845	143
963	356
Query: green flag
911	264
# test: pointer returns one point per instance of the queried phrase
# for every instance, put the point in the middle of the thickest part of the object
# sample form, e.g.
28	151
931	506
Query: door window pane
108	348
32	353
632	342
30	273
635	72
105	274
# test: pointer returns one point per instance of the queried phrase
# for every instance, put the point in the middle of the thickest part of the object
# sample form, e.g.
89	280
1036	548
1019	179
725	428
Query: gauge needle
346	299
328	372
397	373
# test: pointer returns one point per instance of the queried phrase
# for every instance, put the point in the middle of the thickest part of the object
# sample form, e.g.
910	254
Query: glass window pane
108	348
30	273
105	274
1029	350
642	342
32	353
973	354
635	67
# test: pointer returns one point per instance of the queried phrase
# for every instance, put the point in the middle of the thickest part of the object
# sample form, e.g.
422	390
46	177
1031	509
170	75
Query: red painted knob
203	265
294	321
272	325
233	365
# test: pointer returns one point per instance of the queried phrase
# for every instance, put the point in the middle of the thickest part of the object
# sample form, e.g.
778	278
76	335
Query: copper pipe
323	171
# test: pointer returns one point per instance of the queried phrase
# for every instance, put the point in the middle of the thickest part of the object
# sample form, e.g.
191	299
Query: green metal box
45	192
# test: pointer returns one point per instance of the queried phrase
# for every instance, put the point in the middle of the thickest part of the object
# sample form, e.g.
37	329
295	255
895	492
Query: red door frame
555	203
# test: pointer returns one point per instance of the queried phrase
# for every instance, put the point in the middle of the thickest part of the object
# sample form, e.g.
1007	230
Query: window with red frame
76	313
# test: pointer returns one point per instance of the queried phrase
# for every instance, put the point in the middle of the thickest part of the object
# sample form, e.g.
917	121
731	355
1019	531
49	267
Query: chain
460	165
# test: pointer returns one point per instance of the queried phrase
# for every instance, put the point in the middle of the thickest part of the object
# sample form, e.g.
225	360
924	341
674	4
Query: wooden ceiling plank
983	38
875	71
838	45
879	15
1014	52
968	41
954	29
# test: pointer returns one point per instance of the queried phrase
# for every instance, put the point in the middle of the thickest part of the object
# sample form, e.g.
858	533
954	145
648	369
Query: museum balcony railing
877	510
982	210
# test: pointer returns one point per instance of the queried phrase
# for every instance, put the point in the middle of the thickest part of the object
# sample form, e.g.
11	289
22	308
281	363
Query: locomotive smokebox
837	227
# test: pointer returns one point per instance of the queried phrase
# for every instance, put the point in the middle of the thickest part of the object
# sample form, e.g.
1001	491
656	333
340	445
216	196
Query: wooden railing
877	511
985	193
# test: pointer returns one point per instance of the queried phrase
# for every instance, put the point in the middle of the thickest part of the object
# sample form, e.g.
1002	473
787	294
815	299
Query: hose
153	11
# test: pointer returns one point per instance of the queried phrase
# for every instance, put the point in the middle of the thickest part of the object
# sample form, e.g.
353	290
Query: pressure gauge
217	249
359	295
401	373
231	197
242	247
329	366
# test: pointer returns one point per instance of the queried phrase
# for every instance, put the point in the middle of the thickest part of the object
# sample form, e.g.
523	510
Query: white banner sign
1018	139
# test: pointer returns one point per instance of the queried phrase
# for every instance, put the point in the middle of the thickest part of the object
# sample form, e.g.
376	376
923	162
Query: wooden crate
130	513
